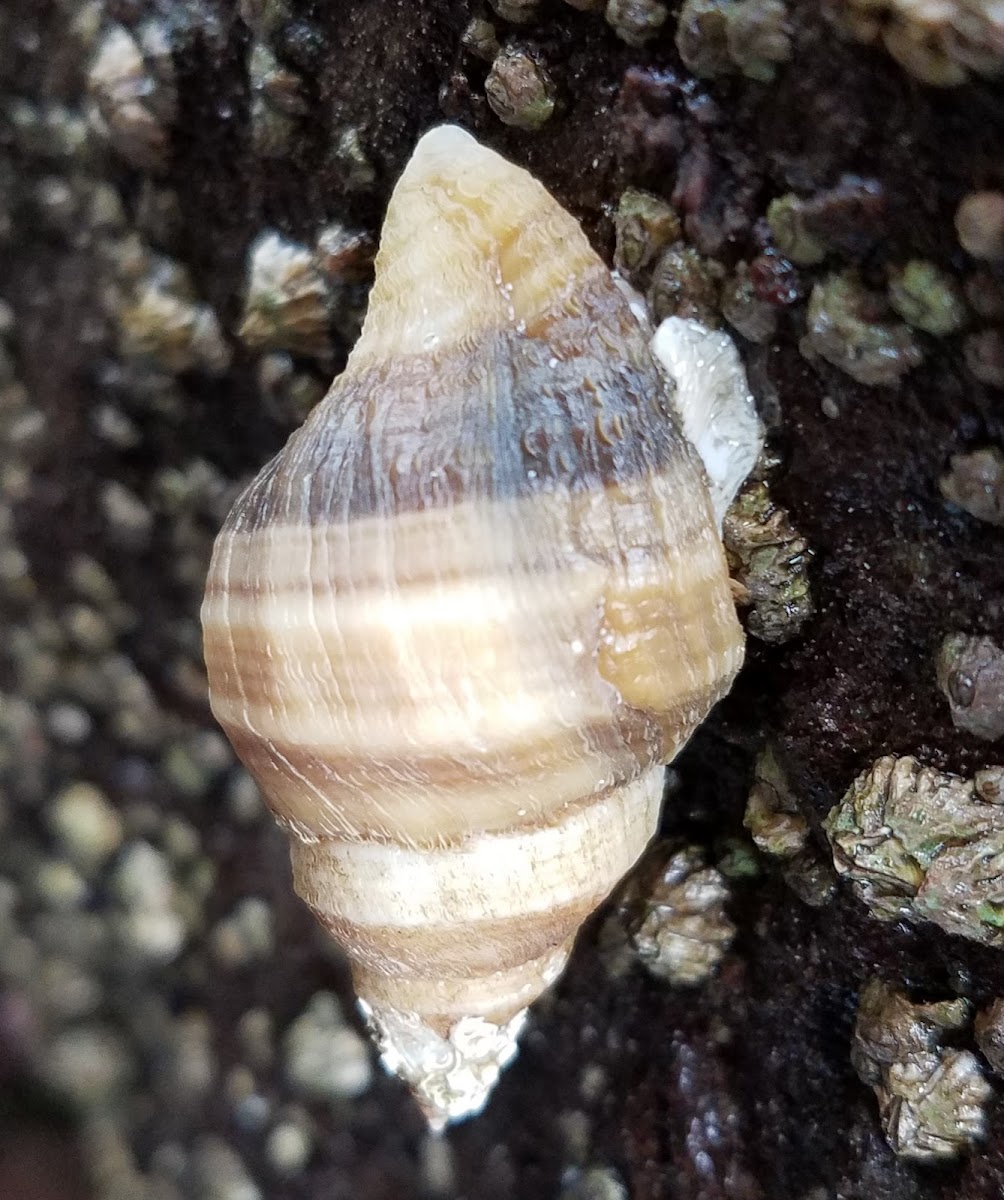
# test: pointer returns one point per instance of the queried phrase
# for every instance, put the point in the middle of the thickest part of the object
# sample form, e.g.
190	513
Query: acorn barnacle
457	626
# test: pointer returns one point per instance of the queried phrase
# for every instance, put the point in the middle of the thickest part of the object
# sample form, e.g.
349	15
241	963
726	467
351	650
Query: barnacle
674	911
939	42
754	318
772	815
786	218
758	37
161	320
989	1030
644	225
971	675
356	169
770	560
133	87
479	37
519	89
975	482
277	101
685	284
289	303
345	254
984	356
723	37
850	328
927	298
846	219
932	1099
517	11
264	16
979	222
636	21
921	845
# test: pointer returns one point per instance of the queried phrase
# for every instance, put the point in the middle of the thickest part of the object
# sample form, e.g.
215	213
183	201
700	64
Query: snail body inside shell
456	627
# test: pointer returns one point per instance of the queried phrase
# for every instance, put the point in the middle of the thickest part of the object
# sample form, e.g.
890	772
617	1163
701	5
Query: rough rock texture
740	1091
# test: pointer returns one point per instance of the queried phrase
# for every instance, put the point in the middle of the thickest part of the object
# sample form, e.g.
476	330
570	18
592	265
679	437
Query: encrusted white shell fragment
452	1076
714	403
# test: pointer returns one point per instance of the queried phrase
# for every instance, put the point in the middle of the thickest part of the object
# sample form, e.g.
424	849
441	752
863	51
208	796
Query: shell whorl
456	626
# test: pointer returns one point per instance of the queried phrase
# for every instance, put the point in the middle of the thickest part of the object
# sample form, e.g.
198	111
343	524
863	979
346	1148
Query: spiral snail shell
456	627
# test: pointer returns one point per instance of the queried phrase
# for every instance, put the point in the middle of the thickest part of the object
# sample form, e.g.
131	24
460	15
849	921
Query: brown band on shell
497	996
440	800
505	415
525	907
566	530
432	952
326	696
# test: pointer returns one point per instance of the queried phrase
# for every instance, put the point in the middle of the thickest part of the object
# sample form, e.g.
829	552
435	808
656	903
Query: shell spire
457	625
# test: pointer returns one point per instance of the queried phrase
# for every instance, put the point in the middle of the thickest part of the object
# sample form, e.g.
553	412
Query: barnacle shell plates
457	625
